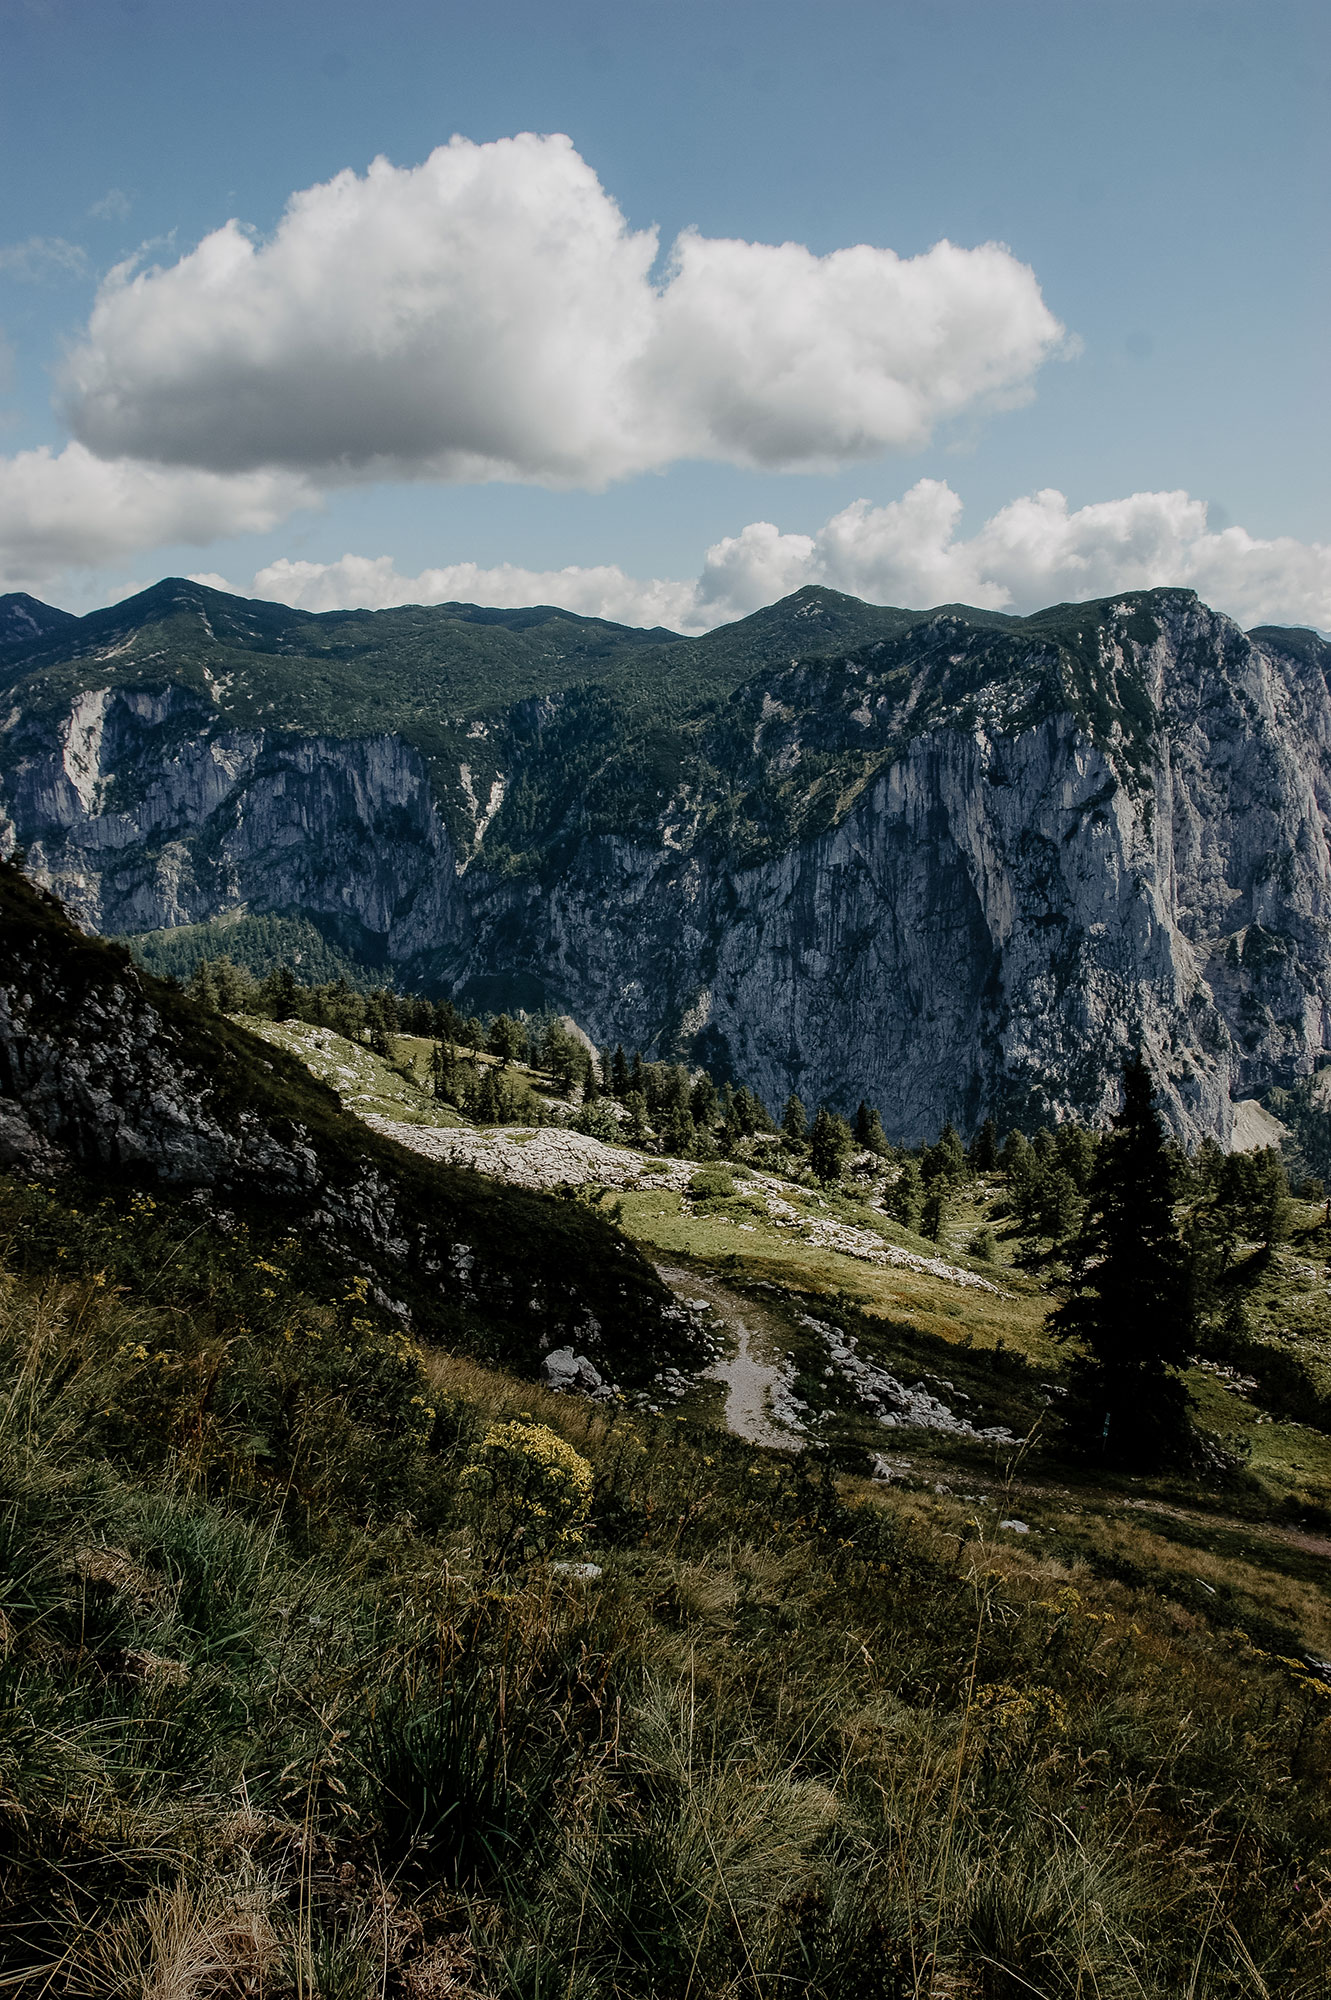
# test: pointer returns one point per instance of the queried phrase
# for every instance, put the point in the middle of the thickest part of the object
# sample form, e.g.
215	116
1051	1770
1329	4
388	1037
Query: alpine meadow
665	1009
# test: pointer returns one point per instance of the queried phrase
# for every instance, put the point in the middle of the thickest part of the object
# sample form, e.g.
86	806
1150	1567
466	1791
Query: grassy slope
519	1244
277	1705
801	1735
998	1352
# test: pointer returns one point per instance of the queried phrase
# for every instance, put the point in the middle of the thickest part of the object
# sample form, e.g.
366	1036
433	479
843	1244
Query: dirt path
749	1379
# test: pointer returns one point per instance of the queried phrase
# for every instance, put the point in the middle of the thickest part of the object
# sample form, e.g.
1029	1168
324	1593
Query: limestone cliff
959	869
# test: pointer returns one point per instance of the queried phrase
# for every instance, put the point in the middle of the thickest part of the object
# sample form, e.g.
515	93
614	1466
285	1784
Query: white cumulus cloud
69	509
373	583
490	314
1033	552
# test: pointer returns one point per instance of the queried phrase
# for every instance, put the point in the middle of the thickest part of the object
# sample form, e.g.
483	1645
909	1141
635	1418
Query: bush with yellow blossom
530	1490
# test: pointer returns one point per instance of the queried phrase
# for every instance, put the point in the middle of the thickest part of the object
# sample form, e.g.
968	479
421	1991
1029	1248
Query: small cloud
114	206
42	258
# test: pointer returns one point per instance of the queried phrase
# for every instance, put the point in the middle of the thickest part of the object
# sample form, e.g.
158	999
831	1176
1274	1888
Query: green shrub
532	1492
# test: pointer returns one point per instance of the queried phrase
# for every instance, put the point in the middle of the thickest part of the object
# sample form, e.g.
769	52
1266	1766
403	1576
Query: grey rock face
1003	904
97	1079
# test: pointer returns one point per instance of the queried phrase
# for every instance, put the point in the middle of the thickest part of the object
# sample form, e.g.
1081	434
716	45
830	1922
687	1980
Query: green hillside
342	1659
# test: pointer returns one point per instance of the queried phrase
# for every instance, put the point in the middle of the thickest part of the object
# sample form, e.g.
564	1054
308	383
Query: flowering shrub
530	1488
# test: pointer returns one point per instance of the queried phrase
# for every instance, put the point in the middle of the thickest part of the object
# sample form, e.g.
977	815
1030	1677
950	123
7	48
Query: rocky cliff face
961	870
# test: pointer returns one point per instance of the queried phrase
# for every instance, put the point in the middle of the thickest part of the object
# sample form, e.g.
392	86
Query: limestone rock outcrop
958	872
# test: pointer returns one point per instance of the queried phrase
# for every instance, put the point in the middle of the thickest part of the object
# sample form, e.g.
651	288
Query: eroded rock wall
1000	914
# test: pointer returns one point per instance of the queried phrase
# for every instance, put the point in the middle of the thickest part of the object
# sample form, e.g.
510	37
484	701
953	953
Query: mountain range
957	862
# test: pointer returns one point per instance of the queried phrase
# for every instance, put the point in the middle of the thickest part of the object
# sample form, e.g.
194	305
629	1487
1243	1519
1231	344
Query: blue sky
1161	169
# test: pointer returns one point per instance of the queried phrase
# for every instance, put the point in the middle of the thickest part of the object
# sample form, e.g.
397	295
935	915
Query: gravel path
753	1386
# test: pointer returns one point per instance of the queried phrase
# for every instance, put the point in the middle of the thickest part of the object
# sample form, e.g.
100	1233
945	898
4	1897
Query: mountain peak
25	621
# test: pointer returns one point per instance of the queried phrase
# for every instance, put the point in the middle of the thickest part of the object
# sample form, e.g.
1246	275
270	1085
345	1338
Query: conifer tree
984	1148
487	1108
619	1074
443	1081
281	993
946	1160
1074	1150
702	1101
903	1199
829	1145
507	1039
794	1123
1129	1300
869	1133
203	988
680	1135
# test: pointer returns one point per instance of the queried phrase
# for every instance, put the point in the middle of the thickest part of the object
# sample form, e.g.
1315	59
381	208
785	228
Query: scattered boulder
563	1369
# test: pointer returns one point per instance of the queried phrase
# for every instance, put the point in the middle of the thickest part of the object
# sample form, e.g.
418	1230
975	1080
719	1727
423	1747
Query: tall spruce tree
1129	1299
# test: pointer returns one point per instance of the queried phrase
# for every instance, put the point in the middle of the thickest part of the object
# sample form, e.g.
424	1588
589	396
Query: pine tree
984	1148
702	1101
619	1074
281	993
794	1123
443	1078
680	1134
487	1108
1129	1301
869	1133
828	1146
903	1198
507	1039
1074	1150
946	1161
203	987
